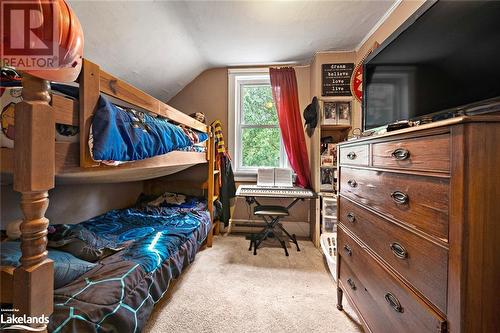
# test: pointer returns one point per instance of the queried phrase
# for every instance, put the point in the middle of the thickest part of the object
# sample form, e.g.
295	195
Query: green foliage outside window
260	145
258	105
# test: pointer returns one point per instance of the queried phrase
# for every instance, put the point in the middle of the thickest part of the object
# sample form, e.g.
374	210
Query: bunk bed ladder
213	187
210	184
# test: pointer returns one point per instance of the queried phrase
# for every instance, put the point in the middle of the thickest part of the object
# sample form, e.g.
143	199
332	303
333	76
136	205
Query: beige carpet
227	289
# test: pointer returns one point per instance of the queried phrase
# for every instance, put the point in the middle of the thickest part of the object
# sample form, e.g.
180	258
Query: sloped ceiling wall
160	46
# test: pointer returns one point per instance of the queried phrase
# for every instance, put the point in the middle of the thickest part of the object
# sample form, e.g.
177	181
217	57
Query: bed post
211	185
34	153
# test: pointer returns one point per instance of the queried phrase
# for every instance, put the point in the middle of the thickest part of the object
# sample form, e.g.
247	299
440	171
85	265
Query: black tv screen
445	56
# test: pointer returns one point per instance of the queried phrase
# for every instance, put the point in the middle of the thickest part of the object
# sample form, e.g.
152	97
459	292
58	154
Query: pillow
67	267
168	199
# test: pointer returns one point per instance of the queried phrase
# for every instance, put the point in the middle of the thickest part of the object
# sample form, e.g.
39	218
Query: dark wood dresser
419	227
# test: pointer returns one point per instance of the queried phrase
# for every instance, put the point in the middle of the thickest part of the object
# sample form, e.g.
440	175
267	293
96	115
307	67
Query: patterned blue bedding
118	295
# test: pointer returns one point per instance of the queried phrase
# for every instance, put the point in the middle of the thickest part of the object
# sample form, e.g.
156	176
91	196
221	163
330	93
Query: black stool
271	215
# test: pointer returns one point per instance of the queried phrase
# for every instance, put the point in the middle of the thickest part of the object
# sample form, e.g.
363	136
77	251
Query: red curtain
286	98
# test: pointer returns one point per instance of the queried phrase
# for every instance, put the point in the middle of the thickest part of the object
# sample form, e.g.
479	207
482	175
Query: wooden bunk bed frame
37	160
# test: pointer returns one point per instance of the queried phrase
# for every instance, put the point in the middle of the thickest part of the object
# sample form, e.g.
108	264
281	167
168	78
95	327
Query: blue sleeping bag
129	135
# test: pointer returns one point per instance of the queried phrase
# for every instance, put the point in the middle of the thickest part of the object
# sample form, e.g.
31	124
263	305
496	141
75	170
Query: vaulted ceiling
160	46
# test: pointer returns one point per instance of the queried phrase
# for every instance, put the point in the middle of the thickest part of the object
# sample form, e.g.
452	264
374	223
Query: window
254	134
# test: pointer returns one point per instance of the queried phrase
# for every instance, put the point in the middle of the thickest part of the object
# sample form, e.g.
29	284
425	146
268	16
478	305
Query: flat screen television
447	55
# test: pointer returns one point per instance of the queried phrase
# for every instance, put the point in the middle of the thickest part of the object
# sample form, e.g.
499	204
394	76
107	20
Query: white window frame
236	79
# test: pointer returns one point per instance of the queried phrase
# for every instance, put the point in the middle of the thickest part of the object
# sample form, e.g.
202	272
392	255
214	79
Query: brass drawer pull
352	155
398	250
351	284
350	217
348	250
393	302
352	183
400	154
400	197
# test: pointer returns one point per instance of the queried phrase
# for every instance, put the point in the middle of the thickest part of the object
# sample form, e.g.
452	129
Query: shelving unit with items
334	128
324	159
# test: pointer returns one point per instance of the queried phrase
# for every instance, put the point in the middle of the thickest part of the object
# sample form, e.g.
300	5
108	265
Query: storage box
329	224
329	206
329	214
329	246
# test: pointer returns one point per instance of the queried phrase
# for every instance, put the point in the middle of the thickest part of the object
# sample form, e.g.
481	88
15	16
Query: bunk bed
73	162
37	161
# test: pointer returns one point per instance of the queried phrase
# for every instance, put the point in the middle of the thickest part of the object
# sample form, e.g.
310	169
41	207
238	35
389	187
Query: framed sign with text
336	79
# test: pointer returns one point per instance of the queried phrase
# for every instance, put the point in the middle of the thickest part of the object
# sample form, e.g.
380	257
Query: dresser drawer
405	311
421	262
431	153
354	155
356	291
419	201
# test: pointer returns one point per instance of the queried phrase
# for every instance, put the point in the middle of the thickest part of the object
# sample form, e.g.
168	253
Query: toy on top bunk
9	97
200	116
11	94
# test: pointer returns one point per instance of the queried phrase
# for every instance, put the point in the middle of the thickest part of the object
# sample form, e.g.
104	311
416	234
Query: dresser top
433	125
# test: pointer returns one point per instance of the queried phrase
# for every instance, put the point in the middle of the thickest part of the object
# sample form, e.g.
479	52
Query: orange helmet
42	38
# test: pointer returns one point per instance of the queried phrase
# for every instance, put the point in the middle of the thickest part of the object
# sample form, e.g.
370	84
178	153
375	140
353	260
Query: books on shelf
277	177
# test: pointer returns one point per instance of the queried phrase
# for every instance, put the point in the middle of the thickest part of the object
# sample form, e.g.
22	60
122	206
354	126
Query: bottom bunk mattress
150	247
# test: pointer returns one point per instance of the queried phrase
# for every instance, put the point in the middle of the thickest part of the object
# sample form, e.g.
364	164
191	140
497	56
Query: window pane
260	147
257	105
